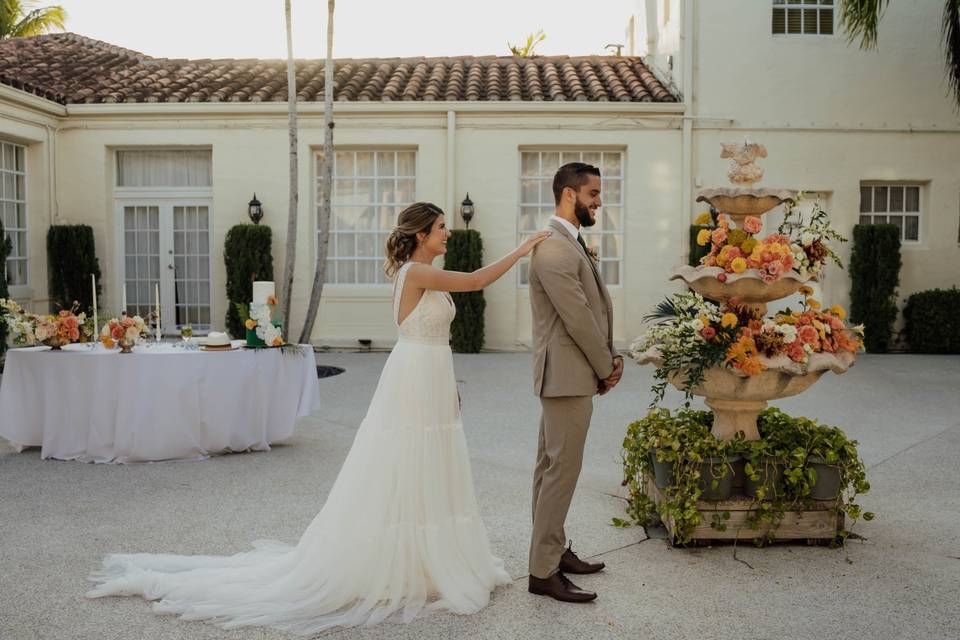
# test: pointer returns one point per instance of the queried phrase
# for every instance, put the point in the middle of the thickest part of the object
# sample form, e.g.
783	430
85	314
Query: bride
399	532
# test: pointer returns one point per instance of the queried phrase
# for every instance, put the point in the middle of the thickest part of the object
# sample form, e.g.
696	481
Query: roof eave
386	107
31	101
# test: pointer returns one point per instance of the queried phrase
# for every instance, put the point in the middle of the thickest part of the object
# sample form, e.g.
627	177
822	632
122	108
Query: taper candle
96	324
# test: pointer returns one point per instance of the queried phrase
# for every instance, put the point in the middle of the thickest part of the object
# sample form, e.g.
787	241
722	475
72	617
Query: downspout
451	163
687	164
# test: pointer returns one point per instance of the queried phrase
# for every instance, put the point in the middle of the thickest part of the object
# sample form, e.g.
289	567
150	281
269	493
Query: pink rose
795	351
719	235
775	268
708	333
752	224
808	334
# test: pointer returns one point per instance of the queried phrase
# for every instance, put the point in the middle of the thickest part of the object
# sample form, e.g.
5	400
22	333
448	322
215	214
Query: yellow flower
814	304
739	265
748	246
705	320
728	320
250	323
838	311
703	218
806	291
703	238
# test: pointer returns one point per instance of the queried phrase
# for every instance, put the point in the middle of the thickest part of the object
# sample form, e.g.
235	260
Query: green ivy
465	253
5	248
930	319
248	256
875	274
71	258
683	440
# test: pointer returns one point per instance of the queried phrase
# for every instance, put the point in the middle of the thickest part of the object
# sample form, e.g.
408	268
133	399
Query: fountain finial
742	170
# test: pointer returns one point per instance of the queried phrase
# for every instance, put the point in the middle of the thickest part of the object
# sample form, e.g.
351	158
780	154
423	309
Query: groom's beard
582	212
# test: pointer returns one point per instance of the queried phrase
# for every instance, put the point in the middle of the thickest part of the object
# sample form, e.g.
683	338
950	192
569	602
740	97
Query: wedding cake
262	329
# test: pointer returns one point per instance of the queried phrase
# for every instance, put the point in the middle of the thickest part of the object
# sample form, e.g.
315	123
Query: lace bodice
430	319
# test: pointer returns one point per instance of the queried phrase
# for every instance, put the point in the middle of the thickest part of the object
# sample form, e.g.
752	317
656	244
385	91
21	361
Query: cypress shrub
931	323
248	256
5	248
465	253
71	258
875	274
696	251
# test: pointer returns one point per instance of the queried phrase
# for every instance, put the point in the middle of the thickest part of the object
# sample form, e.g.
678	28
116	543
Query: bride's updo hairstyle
417	218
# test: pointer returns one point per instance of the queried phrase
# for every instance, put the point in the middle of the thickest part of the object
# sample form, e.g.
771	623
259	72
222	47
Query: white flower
788	331
807	239
697	325
808	348
271	333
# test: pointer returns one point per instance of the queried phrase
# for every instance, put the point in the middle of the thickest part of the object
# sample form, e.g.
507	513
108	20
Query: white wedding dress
399	532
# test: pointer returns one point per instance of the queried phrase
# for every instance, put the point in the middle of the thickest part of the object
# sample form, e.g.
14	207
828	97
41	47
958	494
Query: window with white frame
889	203
13	202
803	17
537	204
370	188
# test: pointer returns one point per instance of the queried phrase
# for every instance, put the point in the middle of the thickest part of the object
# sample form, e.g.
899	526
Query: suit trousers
563	431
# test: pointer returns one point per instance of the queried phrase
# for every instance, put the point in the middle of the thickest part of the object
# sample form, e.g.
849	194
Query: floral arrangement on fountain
798	247
53	330
126	332
692	334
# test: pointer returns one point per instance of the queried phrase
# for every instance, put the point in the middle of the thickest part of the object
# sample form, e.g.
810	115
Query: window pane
897	221
406	164
896	198
592	157
826	22
809	20
386	163
611	165
865	220
793	20
610	191
343	163
529	164
912	228
866	199
549	163
364	164
912	199
611	272
880	199
529	192
779	21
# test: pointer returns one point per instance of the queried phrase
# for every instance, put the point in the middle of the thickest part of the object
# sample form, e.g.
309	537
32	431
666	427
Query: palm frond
39	21
951	46
666	310
860	19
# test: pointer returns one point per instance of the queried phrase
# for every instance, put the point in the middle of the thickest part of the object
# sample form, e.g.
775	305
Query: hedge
931	321
875	274
465	253
248	256
71	258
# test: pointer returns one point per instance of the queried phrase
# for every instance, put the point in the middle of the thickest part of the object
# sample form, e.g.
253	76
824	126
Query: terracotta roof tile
69	68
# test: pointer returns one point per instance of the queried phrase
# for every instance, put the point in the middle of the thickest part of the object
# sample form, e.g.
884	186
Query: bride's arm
424	276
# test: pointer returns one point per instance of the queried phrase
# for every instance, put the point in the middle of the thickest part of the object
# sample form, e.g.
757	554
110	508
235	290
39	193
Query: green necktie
583	244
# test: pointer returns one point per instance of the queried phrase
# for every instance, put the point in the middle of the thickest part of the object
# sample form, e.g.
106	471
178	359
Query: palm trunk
290	259
326	184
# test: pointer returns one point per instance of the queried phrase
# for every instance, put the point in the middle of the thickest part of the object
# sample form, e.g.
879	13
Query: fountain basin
747	287
740	203
737	399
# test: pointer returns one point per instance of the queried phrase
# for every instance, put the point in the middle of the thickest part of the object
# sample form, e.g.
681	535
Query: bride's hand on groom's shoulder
528	244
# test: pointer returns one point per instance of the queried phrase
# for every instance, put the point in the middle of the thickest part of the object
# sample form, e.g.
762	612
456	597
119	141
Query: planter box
816	525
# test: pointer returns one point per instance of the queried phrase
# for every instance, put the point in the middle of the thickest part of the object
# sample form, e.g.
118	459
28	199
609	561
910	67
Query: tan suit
572	352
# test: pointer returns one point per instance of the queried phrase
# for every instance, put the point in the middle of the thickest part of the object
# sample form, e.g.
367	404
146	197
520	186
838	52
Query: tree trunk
290	259
326	185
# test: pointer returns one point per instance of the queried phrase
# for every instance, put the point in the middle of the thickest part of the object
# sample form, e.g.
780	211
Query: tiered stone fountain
736	398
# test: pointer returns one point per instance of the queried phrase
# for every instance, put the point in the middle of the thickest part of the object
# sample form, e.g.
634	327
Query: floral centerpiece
125	332
692	334
53	330
799	246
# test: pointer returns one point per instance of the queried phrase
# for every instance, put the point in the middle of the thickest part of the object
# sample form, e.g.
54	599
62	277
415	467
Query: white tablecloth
159	403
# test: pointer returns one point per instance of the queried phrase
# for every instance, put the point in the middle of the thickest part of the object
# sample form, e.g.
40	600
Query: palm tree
860	19
290	261
326	184
17	20
526	50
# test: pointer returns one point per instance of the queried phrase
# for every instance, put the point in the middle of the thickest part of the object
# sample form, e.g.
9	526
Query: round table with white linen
162	402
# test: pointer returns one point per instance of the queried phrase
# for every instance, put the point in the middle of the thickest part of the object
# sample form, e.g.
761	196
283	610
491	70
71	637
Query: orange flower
806	291
250	323
741	350
728	320
751	366
271	299
814	304
107	342
278	341
838	311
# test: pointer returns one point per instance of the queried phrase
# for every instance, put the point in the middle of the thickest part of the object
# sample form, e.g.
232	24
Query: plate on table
225	347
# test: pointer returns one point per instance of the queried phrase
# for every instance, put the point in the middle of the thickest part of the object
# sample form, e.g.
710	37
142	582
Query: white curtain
164	168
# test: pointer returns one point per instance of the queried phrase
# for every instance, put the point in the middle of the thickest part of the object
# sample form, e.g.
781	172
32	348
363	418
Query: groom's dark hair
573	175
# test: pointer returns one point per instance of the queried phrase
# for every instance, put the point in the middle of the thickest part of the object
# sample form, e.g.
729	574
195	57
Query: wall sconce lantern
466	210
255	210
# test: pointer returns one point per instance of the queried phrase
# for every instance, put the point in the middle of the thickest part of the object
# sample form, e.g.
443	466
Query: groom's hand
614	378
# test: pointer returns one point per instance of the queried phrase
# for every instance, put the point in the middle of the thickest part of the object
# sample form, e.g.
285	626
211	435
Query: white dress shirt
571	229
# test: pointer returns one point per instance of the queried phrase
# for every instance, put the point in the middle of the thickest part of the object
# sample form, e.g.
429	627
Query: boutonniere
594	254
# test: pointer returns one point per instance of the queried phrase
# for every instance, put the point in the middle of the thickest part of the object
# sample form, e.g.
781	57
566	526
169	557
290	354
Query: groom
573	359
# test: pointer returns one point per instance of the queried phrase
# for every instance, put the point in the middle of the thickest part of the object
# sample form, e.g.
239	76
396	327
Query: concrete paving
57	519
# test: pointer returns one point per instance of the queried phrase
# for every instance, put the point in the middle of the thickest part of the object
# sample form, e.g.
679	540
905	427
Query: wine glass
186	332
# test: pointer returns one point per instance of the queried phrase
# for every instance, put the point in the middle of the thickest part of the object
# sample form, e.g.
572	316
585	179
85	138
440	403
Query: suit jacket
572	319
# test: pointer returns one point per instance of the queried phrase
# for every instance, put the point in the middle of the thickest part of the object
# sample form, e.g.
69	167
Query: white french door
166	244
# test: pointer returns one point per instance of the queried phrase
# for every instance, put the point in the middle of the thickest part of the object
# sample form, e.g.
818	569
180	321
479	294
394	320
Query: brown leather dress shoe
570	563
559	587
